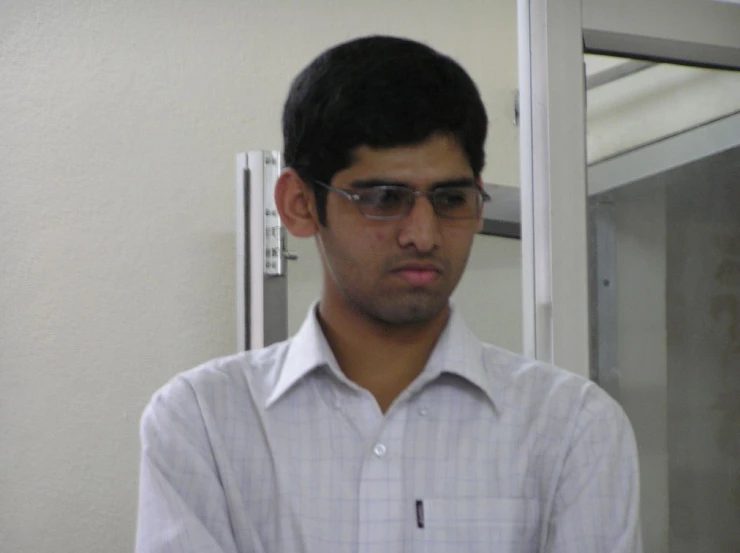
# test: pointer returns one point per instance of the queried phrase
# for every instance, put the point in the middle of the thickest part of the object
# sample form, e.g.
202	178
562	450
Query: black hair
381	92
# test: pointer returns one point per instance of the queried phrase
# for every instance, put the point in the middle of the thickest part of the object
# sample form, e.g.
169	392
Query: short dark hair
381	92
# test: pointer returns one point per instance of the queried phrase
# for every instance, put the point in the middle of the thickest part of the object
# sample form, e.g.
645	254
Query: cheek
380	236
461	244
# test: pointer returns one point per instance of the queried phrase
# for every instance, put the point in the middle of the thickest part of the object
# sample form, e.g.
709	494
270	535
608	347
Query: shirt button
423	411
379	450
337	404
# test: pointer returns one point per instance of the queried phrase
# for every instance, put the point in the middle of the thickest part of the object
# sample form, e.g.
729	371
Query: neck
383	359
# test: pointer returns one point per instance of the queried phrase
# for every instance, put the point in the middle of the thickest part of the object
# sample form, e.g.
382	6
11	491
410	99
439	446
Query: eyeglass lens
455	202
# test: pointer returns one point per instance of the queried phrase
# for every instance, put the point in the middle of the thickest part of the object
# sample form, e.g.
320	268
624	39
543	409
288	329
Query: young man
384	425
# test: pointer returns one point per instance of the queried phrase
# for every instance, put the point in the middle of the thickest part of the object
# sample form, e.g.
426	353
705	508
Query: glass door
553	38
664	259
631	237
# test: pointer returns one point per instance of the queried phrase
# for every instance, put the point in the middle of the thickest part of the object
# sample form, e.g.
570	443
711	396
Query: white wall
119	123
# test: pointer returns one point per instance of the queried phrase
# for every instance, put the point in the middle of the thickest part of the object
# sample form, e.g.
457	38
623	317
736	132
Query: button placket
382	501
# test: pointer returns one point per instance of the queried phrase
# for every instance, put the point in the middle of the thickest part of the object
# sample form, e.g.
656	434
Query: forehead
439	158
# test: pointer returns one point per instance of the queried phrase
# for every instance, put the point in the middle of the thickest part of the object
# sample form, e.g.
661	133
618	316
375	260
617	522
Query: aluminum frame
665	154
553	155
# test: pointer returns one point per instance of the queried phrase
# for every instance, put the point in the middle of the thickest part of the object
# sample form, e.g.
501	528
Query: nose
420	228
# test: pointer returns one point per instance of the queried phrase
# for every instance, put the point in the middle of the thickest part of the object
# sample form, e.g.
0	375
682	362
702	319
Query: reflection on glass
632	103
665	287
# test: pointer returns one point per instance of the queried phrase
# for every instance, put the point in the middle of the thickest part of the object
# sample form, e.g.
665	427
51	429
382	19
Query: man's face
401	271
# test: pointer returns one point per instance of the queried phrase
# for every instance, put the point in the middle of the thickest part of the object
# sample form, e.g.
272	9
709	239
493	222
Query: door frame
553	37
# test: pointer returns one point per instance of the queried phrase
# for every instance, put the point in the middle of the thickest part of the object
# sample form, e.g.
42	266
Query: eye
450	198
385	197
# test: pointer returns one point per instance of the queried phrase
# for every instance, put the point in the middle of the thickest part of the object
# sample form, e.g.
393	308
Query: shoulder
566	420
558	399
219	385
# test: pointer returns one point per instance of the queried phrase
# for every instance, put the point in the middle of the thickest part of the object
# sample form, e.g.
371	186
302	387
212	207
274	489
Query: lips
419	274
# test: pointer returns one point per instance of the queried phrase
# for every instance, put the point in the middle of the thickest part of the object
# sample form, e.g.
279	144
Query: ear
296	205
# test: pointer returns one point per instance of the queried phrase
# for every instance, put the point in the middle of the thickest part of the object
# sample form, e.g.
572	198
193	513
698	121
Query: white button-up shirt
276	451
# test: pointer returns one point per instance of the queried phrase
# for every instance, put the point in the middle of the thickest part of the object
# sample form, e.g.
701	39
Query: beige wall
119	123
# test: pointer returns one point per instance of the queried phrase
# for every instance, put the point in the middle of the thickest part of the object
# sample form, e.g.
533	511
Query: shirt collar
308	350
458	351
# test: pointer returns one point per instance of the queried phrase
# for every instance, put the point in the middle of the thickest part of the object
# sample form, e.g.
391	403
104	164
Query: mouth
419	274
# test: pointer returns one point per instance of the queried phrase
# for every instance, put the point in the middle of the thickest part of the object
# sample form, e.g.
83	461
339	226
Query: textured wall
119	121
703	292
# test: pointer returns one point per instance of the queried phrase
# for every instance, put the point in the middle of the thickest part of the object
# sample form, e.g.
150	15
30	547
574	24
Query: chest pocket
479	525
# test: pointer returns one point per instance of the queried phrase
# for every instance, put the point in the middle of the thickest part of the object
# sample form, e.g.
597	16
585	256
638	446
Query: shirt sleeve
182	504
596	505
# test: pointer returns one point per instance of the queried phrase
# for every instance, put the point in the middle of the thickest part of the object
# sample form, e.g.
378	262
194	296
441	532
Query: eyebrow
374	183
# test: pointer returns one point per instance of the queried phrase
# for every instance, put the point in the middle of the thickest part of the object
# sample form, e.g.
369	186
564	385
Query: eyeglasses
388	202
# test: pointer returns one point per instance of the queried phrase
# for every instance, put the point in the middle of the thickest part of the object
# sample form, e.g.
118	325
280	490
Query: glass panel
664	239
632	103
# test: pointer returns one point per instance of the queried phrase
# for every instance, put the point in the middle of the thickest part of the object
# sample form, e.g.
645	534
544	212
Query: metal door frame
553	37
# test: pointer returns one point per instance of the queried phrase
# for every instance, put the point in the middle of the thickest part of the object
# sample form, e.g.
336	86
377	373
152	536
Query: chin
409	312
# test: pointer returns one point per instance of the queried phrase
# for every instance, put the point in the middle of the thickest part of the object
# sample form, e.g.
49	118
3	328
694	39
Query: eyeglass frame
355	198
